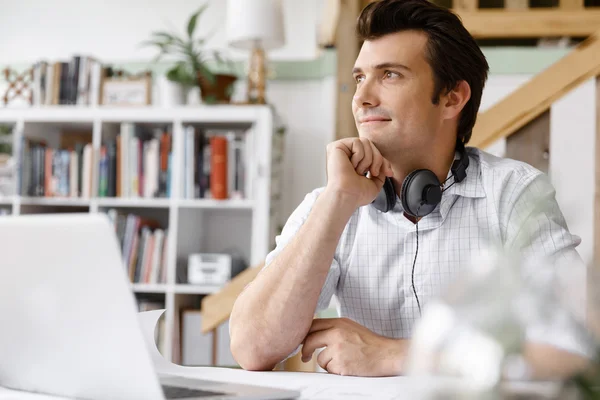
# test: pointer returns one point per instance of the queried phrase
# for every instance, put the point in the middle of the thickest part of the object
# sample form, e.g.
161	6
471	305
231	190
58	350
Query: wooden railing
517	19
535	97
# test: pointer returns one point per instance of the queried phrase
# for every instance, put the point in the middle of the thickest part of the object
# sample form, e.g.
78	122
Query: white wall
572	161
308	109
496	88
112	29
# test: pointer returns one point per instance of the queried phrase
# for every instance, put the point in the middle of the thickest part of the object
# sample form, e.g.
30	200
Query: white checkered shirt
371	270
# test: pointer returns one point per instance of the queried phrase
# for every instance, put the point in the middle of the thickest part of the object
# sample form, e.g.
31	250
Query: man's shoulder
499	172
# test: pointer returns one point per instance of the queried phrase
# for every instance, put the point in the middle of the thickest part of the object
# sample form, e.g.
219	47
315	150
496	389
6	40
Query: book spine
112	167
218	167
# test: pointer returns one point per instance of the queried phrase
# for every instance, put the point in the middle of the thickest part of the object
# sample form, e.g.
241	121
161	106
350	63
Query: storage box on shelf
159	193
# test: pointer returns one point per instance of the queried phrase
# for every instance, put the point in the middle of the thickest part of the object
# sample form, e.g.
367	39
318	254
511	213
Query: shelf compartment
55	201
149	288
184	288
216	204
141	202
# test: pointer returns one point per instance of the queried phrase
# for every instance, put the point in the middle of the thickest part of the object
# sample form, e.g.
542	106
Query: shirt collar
471	186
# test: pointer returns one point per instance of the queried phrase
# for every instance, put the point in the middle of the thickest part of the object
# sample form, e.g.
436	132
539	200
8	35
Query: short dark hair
451	51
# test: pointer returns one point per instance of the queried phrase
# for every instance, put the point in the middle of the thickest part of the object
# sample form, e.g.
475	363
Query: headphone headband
459	167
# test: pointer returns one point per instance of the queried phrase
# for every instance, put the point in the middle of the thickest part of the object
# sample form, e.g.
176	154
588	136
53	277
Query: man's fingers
367	160
377	160
358	153
379	181
320	324
386	168
324	358
315	341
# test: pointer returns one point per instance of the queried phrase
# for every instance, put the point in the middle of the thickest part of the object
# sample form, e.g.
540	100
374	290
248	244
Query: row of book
134	164
143	246
137	163
215	163
76	81
48	172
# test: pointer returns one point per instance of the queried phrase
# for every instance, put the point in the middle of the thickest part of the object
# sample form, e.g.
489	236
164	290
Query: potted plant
190	68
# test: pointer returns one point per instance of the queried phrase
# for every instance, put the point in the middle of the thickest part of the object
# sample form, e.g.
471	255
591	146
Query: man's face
394	87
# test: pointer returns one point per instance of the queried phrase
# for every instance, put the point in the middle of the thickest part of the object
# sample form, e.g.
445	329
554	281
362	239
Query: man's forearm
272	316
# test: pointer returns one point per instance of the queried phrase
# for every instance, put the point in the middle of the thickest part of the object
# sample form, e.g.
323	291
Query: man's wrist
397	356
340	200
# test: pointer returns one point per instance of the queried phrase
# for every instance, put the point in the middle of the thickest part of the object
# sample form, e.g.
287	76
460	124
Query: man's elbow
251	356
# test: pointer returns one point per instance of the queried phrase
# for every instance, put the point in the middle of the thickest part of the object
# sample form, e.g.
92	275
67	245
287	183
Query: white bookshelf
195	225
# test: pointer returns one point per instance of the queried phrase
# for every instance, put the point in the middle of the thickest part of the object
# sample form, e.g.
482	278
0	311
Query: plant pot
220	91
170	93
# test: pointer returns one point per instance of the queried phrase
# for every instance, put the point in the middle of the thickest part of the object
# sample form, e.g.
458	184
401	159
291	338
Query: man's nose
366	94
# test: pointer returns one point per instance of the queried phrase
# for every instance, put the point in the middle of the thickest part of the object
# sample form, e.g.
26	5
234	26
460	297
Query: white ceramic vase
169	93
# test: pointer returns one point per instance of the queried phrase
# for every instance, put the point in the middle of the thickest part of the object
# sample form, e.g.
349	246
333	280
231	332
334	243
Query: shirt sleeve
536	228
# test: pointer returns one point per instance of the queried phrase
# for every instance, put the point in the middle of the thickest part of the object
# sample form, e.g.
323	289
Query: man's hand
352	349
348	160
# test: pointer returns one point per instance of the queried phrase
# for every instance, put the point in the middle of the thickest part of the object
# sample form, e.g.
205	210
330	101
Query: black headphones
421	189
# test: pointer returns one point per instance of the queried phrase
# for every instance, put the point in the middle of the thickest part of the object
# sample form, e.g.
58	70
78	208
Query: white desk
315	386
320	386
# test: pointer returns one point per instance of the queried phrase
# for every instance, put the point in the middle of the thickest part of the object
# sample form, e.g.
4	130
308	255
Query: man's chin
375	134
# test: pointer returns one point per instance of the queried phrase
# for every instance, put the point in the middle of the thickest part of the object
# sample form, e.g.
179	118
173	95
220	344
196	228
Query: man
419	80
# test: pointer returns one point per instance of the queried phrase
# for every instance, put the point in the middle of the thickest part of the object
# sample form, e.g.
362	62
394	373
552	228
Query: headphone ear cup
413	192
386	199
404	195
390	192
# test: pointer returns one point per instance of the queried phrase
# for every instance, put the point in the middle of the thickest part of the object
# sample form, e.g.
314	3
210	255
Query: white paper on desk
148	321
314	386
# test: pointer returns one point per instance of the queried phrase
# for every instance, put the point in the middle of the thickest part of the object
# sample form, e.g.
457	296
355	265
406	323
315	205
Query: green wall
502	61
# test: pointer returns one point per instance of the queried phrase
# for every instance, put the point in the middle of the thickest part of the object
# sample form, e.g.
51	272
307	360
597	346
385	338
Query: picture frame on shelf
127	91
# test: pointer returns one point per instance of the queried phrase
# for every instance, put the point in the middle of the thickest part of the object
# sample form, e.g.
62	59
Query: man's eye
359	78
391	74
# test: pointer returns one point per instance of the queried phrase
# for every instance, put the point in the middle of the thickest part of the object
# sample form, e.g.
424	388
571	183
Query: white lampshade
255	21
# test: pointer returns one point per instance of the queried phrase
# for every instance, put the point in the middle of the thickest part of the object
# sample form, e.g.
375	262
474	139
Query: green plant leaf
164	35
149	43
210	99
181	73
207	74
192	22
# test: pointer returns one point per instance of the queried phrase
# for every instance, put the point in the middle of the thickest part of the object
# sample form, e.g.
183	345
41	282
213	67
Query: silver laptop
68	319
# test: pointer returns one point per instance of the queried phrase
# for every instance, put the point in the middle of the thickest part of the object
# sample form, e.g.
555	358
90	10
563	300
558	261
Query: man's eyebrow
356	70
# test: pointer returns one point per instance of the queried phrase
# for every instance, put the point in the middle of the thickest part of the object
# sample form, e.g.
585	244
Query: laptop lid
69	322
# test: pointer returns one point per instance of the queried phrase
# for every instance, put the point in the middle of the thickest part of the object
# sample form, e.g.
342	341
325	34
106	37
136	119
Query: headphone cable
414	263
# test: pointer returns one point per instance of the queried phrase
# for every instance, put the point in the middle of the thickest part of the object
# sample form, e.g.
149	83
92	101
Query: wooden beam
216	308
596	256
329	22
364	3
215	346
531	143
571	4
347	47
535	96
516	4
501	23
593	274
466	5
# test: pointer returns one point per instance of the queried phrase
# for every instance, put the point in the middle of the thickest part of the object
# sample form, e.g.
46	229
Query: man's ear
456	99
